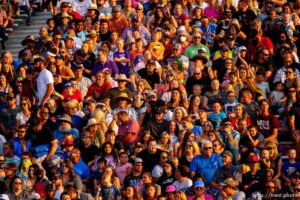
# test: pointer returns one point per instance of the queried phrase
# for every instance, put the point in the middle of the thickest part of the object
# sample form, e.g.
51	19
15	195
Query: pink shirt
121	171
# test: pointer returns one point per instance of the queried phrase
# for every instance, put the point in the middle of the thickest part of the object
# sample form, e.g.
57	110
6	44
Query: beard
64	129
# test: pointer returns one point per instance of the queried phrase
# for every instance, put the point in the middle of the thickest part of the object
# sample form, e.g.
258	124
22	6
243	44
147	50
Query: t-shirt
184	185
288	168
110	64
123	67
44	136
98	92
206	166
295	111
192	51
82	170
217	118
151	79
267	124
44	78
110	193
8	117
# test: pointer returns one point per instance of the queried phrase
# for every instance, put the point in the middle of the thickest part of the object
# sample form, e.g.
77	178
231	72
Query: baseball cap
116	9
253	158
176	46
227	153
160	110
228	182
171	188
69	84
81	52
150	62
151	94
69	143
202	50
138	160
242	48
199	183
224	48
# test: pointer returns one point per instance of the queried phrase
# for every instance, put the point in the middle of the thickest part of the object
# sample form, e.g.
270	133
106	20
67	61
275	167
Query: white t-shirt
82	7
157	171
45	77
184	185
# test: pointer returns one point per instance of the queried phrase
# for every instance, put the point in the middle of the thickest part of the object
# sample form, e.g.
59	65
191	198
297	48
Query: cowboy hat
66	15
124	96
66	118
122	77
28	38
91	34
91	122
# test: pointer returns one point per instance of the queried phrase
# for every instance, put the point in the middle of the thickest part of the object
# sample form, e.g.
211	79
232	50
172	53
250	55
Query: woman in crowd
69	176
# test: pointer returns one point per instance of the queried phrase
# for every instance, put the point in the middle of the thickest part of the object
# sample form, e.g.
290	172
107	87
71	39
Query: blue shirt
288	168
206	166
60	135
18	151
82	170
217	118
197	130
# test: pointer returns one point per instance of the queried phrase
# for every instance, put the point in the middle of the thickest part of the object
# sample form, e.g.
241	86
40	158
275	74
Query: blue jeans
26	9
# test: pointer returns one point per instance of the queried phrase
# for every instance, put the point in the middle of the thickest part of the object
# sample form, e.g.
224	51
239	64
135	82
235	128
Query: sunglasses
288	72
196	73
199	188
57	38
188	146
207	148
227	124
292	91
196	38
18	183
270	148
10	99
164	157
270	187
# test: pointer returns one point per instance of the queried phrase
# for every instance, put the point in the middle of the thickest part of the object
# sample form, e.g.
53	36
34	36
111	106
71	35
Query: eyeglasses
164	157
23	104
18	183
292	91
215	145
196	73
189	146
206	125
169	75
121	81
207	148
138	164
199	188
57	38
197	38
288	72
10	99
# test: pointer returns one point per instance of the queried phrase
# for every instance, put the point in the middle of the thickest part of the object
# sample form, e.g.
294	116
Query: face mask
182	38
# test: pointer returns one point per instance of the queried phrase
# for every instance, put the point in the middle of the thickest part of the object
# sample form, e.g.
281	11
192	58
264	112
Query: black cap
150	62
39	59
79	67
50	187
160	109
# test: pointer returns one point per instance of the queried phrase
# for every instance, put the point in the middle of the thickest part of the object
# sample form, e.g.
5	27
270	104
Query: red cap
253	158
69	143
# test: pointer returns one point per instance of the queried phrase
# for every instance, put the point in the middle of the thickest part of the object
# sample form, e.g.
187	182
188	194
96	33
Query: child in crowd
290	166
217	115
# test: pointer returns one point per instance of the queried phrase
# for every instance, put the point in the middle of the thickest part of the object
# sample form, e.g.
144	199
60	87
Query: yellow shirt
156	48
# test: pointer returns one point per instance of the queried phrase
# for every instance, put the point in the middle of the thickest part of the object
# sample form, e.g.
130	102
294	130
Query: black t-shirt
88	154
219	66
151	79
204	82
44	136
248	178
156	128
295	111
105	37
149	160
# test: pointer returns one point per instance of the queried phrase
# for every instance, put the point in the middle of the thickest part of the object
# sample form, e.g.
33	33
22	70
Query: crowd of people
153	100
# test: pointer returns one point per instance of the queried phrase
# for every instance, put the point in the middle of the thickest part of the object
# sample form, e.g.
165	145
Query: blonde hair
182	195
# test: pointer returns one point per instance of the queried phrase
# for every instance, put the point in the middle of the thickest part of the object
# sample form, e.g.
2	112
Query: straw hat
122	77
92	33
28	38
124	96
93	6
66	15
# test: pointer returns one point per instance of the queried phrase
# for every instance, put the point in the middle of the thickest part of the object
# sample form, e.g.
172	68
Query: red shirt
98	92
267	124
253	50
181	19
76	95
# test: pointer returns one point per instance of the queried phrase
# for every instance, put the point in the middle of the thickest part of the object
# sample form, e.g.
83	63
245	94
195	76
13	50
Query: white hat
35	196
